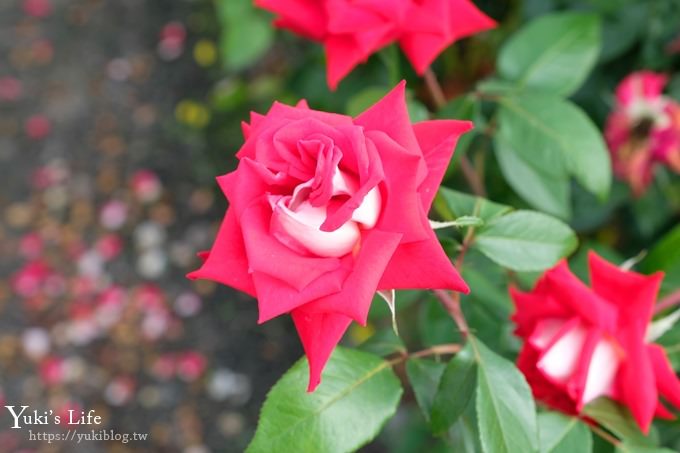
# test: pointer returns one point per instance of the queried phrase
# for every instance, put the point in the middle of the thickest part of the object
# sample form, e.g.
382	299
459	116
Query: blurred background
115	117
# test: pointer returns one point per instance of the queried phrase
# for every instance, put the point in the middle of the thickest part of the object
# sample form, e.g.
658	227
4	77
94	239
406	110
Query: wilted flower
643	129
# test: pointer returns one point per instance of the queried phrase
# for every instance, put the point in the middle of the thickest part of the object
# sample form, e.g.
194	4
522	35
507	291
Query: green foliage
246	33
525	241
455	391
561	434
328	420
554	53
549	155
424	376
628	448
451	205
505	408
665	256
383	343
550	139
618	420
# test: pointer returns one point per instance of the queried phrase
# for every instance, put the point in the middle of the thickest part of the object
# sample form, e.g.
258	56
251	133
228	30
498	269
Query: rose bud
352	31
643	130
326	209
584	342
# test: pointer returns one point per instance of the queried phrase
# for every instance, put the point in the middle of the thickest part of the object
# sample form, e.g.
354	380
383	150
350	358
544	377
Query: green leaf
554	53
455	390
383	343
629	448
424	376
618	420
417	111
465	107
665	256
358	394
246	33
558	433
544	191
505	408
435	325
451	205
525	241
556	137
364	99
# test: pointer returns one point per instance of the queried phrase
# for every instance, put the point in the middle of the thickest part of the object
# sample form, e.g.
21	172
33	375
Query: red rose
582	343
326	209
353	30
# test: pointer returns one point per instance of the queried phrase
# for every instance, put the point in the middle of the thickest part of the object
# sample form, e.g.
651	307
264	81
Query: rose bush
326	209
584	342
351	31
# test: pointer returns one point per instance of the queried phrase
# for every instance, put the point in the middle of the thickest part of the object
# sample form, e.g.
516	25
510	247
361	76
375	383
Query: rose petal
319	334
604	365
636	382
354	301
437	140
269	256
666	380
302	225
422	264
560	359
390	116
633	294
227	262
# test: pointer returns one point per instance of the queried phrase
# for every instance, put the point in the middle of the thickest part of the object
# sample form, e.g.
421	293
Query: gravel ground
101	213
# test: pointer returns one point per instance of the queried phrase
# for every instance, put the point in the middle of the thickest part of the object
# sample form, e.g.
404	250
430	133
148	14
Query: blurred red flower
351	31
643	129
585	342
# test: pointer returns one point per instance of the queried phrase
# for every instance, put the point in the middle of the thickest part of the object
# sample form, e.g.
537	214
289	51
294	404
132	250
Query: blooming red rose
326	209
643	130
352	30
585	342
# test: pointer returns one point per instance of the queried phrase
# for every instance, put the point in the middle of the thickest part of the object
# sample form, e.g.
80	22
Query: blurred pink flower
164	367
146	186
113	214
30	245
120	390
62	411
49	175
37	127
643	129
171	44
31	278
37	8
109	246
52	370
149	298
191	365
10	89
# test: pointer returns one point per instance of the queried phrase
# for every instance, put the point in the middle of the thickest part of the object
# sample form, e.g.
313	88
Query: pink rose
353	30
585	342
643	129
326	209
